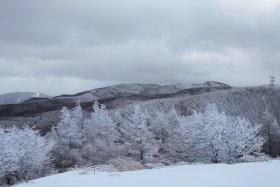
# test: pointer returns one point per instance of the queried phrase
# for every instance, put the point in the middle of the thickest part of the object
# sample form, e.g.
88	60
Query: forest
208	128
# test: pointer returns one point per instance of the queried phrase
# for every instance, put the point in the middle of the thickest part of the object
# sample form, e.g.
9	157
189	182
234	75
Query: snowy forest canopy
141	132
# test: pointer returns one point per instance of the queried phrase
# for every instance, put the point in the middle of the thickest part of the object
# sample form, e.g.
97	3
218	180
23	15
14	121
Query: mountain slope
19	97
124	90
118	95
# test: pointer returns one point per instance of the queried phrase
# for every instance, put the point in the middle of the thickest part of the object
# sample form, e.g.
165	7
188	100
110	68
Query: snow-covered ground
215	175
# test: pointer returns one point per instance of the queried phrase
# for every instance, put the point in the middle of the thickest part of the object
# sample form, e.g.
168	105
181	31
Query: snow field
258	174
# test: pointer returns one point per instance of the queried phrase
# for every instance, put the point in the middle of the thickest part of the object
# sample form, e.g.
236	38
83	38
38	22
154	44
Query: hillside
125	90
249	103
111	96
215	175
19	97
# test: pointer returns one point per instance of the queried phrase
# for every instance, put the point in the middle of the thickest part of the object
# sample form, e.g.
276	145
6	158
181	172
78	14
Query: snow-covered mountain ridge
122	90
113	96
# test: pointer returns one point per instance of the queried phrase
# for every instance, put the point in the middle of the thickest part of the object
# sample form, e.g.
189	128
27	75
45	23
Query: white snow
214	175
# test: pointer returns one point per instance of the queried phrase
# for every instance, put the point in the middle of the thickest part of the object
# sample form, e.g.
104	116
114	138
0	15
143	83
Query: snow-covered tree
24	154
141	141
121	119
222	138
68	134
272	131
101	135
171	132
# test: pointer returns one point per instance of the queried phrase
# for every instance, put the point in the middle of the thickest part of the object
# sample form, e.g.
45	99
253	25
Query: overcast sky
64	46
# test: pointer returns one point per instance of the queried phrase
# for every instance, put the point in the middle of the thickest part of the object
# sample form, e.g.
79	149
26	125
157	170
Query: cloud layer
65	46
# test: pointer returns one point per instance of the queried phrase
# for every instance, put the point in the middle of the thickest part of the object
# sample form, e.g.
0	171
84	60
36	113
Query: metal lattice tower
272	80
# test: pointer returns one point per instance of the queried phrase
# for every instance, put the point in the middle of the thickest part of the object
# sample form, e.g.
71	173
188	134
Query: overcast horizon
64	46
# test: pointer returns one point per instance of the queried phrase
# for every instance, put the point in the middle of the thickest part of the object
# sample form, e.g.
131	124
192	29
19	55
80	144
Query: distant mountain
174	88
120	90
124	90
113	96
19	97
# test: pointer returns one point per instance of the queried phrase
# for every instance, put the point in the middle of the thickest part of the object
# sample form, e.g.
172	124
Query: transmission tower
272	80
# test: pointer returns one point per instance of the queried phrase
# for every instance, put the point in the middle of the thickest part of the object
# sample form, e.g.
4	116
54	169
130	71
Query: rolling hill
19	97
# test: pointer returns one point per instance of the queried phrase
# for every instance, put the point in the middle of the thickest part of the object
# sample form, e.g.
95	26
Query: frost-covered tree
272	131
121	119
101	135
171	132
24	154
68	134
221	137
141	141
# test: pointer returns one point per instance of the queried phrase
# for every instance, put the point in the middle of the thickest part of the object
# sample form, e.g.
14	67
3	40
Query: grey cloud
94	43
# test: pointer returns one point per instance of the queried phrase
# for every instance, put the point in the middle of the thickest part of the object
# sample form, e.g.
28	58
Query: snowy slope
220	175
18	97
173	88
136	88
111	91
123	89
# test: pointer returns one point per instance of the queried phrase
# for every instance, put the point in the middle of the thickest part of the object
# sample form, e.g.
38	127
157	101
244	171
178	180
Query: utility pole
272	80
